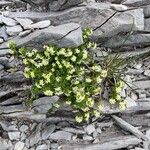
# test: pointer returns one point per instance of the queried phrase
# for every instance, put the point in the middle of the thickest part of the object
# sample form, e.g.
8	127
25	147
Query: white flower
104	73
88	80
32	74
97	68
94	46
79	119
90	102
112	101
85	54
76	82
25	61
48	92
68	77
118	89
58	79
41	82
96	113
73	58
77	51
99	79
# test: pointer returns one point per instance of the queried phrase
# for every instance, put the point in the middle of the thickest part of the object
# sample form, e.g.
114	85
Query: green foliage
70	72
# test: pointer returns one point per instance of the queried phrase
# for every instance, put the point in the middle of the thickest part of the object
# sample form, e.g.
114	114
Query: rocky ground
122	28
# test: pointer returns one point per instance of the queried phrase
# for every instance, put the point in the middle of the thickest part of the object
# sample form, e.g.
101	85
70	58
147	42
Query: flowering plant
70	72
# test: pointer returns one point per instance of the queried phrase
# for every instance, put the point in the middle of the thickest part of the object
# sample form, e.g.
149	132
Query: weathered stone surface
94	15
24	22
132	40
42	147
63	4
147	73
19	146
141	84
147	24
35	137
14	135
146	11
3	33
119	7
136	2
13	30
47	131
9	21
16	77
61	135
4	61
5	3
4	52
130	102
74	130
42	105
87	138
24	33
11	109
39	25
5	144
23	128
1	40
90	129
1	67
67	35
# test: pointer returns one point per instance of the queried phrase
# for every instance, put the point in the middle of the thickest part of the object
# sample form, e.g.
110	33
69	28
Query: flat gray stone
9	21
39	25
4	61
19	146
63	4
24	33
4	52
1	67
15	30
147	24
42	147
47	131
16	77
11	109
5	144
136	3
35	137
6	3
23	128
132	40
24	22
90	129
14	135
130	102
74	130
119	7
42	105
66	35
1	40
148	134
141	84
3	33
61	135
146	11
147	73
87	138
93	15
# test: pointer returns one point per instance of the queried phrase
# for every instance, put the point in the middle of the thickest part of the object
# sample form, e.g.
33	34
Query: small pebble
90	129
147	73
